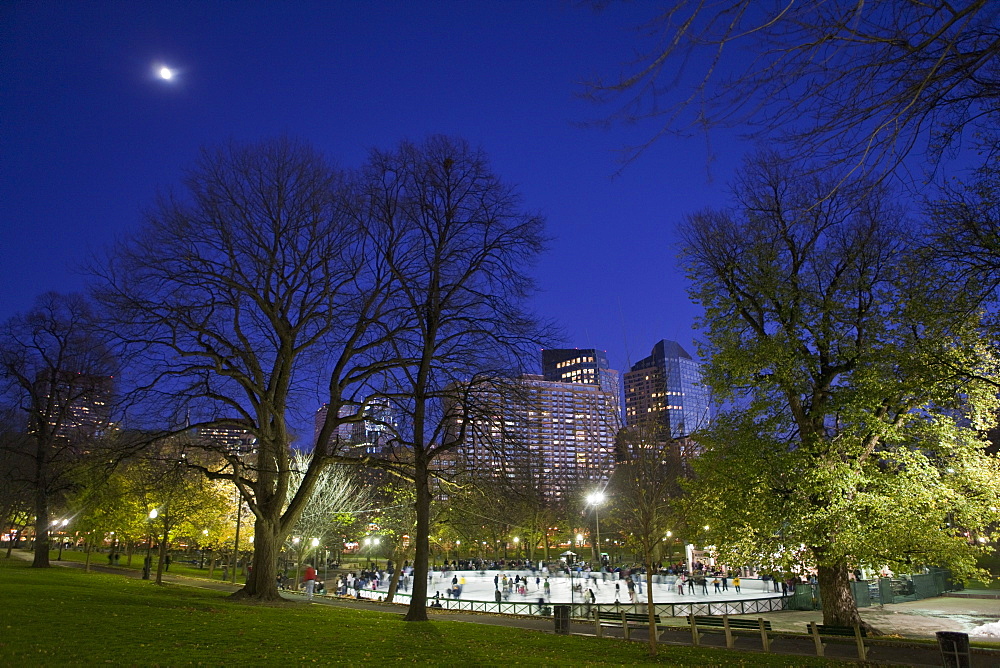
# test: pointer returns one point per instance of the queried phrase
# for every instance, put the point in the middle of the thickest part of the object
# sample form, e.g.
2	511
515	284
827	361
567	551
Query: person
680	585
716	583
166	563
725	582
310	579
704	585
736	584
592	595
547	588
497	595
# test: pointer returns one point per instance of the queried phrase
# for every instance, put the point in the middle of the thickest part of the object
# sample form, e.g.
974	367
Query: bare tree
337	497
232	291
861	84
457	243
646	495
58	368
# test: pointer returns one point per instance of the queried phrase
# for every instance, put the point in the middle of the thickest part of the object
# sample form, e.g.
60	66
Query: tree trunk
261	583
87	548
162	551
839	607
17	539
650	607
41	559
418	601
397	558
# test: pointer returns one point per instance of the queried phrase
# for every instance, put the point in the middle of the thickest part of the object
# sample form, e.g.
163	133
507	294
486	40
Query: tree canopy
859	387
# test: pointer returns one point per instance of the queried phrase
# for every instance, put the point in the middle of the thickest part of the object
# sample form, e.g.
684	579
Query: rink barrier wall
584	611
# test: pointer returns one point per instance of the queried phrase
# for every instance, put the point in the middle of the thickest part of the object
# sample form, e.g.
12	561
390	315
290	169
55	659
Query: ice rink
480	587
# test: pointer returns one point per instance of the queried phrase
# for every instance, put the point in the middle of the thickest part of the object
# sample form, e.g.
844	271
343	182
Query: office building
553	437
579	365
371	435
666	389
77	406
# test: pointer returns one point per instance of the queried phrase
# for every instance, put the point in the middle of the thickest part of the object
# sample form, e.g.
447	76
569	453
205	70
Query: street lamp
517	547
147	565
596	499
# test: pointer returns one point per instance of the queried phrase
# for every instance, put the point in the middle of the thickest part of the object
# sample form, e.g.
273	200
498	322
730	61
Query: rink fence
747	606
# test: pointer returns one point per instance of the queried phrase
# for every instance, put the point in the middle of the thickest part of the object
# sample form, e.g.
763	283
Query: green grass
176	568
63	616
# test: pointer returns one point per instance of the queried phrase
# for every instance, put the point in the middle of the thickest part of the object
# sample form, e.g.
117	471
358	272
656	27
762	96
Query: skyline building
76	405
579	365
374	433
665	388
555	434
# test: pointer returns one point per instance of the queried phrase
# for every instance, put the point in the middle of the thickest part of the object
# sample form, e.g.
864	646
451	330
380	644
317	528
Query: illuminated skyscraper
554	432
665	388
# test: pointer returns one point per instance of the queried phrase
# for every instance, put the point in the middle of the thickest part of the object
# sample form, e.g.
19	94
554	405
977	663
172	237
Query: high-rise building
666	389
237	441
76	405
579	365
374	433
553	436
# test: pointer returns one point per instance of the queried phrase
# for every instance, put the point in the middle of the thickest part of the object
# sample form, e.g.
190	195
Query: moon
166	73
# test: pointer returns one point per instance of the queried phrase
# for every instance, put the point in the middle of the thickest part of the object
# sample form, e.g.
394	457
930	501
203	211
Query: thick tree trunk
261	583
839	607
41	559
418	601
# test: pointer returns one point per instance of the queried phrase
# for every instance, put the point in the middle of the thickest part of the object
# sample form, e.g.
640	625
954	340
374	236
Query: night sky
89	134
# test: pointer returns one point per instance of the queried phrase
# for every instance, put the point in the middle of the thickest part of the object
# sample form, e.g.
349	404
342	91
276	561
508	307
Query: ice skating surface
480	587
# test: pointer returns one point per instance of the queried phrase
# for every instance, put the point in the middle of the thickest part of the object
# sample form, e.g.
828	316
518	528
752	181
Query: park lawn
64	616
176	568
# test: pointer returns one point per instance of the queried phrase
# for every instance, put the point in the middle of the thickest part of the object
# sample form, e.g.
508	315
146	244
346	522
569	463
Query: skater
310	579
736	584
725	582
716	584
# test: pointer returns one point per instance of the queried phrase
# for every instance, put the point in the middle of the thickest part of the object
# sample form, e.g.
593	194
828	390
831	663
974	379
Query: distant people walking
310	580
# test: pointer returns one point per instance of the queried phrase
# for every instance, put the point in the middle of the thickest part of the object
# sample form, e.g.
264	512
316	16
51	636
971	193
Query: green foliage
859	380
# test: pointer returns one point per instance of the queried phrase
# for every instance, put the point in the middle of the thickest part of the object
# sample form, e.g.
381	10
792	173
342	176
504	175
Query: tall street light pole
596	499
146	566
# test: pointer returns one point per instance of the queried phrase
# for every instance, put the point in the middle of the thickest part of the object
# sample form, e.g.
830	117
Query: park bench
626	620
711	623
856	632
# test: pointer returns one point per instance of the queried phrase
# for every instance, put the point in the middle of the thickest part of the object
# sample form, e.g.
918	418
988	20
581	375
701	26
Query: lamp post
60	525
596	499
153	514
517	547
236	547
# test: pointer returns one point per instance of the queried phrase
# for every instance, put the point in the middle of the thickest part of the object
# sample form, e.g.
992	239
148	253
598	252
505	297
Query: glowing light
315	542
154	513
165	73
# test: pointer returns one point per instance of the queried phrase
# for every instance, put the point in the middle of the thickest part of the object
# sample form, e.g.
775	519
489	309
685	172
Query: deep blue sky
88	134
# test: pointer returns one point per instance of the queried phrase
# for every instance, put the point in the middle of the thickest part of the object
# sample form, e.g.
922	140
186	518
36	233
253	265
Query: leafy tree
57	367
851	82
857	397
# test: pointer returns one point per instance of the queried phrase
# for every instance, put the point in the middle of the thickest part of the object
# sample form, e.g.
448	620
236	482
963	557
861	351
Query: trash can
955	651
561	615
